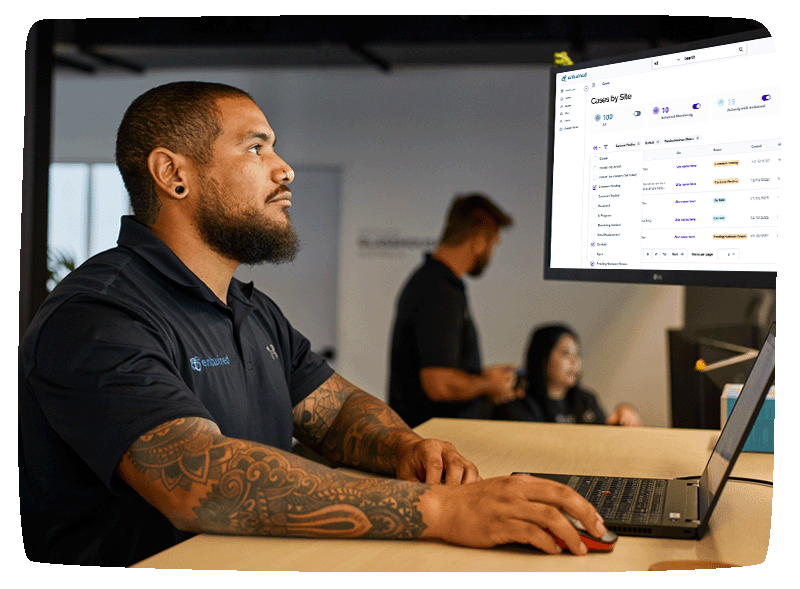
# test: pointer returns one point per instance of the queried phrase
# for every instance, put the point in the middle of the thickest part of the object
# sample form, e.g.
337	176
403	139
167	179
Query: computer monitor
665	166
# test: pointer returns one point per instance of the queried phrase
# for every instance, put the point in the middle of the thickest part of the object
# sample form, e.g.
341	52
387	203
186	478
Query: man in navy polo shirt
158	395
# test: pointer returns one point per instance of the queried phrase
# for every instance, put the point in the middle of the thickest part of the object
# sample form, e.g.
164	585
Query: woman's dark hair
542	342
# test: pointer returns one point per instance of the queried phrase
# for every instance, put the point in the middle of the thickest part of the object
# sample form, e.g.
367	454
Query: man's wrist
431	505
404	441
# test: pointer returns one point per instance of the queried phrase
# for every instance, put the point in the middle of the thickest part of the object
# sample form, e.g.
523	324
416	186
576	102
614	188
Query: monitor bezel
738	279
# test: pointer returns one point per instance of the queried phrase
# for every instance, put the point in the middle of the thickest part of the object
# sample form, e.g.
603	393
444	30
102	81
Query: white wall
406	142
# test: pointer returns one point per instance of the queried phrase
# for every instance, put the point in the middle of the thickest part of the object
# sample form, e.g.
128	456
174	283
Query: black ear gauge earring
179	189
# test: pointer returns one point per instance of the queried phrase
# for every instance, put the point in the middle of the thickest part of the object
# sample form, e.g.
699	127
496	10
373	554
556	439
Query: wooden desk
498	448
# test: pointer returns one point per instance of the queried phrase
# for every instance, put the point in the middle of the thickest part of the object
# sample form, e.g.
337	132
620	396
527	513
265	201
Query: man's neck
214	270
456	258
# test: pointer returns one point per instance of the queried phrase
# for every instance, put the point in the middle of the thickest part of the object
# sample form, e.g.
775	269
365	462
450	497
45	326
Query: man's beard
245	236
479	266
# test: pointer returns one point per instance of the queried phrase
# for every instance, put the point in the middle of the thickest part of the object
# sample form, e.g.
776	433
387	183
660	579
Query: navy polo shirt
128	341
433	328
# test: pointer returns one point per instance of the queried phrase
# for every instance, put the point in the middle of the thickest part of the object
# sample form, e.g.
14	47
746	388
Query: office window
86	201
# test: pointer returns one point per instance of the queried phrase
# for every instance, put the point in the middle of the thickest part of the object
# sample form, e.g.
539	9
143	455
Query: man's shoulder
426	274
102	270
419	284
430	294
116	276
101	288
431	280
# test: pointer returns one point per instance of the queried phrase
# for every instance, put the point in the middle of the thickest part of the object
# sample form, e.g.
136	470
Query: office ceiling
385	43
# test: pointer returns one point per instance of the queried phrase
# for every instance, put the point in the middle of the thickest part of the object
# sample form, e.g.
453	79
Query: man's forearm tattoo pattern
247	488
350	426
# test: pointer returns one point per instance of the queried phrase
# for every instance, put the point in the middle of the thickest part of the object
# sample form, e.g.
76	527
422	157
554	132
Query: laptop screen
738	426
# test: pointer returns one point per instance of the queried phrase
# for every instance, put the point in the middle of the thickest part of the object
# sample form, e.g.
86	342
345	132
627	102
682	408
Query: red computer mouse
594	544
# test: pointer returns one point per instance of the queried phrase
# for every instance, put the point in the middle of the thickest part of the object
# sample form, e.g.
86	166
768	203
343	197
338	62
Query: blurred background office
384	119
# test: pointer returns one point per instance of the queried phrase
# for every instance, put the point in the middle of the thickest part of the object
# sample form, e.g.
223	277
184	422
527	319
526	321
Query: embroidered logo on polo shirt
272	352
198	364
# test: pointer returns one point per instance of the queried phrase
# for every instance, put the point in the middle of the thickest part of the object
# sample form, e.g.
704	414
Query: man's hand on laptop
505	510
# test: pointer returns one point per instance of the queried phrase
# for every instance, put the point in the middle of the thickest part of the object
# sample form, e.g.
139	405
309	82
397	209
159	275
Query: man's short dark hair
182	117
472	212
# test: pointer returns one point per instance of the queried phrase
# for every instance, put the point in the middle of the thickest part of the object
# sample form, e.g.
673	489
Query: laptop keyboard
636	501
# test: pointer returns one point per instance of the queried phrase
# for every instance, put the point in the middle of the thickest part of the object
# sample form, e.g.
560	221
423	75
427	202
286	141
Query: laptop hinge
693	499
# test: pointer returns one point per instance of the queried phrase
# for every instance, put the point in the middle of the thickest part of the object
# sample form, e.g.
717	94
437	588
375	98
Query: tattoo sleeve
349	426
206	482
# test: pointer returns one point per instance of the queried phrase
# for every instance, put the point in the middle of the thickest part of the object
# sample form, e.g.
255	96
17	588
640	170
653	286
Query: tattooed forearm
367	435
350	426
238	487
314	415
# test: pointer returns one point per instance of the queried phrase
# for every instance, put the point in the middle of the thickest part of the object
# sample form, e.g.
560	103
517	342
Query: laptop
680	508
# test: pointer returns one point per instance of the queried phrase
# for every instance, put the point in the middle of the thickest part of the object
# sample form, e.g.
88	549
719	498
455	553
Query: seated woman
553	392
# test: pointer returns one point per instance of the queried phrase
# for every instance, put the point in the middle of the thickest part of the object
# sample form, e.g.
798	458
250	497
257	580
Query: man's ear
484	238
170	172
480	241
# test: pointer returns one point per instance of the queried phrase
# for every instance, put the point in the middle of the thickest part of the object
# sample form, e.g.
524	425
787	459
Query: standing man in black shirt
158	395
435	366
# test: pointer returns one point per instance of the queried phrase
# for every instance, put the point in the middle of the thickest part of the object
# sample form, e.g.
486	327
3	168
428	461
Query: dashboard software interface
669	162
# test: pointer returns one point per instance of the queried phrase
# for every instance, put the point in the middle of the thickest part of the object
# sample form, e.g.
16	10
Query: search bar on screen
698	55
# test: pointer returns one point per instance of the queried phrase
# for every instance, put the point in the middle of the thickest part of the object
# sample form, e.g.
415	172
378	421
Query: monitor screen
665	166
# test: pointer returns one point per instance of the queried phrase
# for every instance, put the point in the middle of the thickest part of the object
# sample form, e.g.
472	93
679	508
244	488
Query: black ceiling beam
370	56
200	31
75	64
301	29
112	60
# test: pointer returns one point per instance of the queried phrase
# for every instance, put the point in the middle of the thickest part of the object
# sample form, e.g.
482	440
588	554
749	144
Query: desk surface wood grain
498	448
